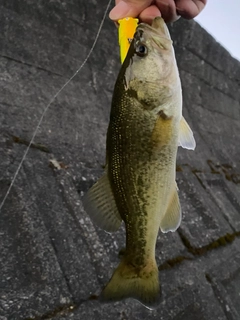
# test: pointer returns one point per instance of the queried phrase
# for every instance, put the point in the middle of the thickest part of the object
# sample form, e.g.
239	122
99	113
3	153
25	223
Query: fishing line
50	102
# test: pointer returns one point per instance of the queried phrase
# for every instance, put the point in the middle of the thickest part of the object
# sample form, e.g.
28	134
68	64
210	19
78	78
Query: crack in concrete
31	65
213	87
61	268
195	53
63	310
170	263
219	112
38	146
225	303
226	169
59	311
220	242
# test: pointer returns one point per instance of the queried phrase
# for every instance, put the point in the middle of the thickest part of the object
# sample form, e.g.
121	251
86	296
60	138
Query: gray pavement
53	260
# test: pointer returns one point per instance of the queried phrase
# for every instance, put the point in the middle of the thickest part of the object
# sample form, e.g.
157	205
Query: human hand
147	10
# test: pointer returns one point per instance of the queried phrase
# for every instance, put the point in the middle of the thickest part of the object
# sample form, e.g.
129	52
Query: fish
138	186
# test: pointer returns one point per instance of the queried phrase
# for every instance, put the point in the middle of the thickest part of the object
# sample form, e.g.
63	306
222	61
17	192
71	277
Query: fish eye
141	50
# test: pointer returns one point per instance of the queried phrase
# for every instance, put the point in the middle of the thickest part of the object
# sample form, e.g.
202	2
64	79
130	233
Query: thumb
128	8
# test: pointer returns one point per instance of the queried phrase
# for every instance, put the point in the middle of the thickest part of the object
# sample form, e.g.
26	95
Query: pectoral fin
100	205
173	215
186	139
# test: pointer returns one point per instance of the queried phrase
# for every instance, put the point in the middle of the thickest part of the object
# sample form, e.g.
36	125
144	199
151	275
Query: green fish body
145	129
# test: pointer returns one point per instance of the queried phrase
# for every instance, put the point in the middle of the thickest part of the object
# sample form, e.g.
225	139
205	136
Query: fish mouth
158	28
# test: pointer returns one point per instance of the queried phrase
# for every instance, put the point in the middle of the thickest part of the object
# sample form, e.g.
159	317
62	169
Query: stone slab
203	222
227	202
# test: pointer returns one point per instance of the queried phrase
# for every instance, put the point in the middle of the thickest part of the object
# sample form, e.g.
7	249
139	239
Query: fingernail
119	11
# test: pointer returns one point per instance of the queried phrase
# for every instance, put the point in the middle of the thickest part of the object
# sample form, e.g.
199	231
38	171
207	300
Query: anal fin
100	205
173	216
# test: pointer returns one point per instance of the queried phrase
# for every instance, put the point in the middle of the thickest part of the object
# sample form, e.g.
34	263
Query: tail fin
131	282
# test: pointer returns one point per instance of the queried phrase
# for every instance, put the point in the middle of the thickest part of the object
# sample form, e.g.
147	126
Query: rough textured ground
53	261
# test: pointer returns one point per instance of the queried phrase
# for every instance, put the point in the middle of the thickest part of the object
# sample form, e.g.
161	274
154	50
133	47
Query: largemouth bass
146	127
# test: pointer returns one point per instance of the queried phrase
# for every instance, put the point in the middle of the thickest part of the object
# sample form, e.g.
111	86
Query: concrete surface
53	261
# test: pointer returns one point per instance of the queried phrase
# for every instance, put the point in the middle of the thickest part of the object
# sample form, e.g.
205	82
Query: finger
167	9
131	8
189	9
148	14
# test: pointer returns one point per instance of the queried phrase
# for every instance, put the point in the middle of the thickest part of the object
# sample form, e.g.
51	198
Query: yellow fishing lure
126	30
